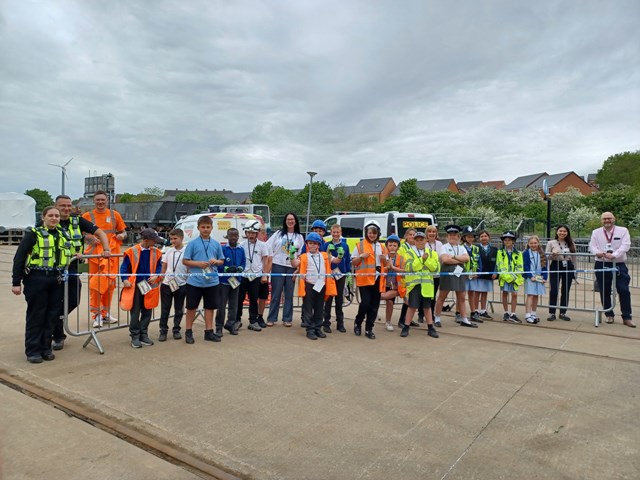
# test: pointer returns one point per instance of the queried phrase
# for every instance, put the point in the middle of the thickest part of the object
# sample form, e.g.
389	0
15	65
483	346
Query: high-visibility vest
96	248
75	234
421	271
510	272
47	253
152	298
366	270
330	282
471	265
399	262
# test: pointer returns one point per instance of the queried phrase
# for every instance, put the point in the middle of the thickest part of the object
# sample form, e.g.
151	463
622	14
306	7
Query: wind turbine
64	171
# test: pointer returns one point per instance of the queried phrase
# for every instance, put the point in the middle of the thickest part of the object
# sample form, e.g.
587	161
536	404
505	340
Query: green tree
619	169
562	203
203	201
42	197
260	193
353	203
623	202
279	198
126	198
321	198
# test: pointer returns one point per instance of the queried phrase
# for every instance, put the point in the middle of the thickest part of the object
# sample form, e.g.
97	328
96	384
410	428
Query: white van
390	223
221	223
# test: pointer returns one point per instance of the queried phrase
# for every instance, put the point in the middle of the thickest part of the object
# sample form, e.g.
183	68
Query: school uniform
532	268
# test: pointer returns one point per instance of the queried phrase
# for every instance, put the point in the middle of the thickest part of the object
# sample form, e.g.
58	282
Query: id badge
337	274
233	282
173	285
144	287
537	278
207	270
319	286
458	271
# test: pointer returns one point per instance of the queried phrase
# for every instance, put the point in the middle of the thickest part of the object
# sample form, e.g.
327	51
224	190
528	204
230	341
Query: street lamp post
311	175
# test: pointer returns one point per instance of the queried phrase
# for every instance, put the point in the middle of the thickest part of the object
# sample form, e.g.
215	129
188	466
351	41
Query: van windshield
404	223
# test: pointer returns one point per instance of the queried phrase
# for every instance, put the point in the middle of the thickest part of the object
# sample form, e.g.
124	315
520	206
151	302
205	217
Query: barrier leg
93	337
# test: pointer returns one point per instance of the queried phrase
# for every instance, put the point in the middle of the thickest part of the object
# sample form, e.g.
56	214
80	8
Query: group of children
221	277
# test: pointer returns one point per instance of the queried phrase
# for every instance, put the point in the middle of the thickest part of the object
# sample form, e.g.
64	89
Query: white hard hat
372	223
252	226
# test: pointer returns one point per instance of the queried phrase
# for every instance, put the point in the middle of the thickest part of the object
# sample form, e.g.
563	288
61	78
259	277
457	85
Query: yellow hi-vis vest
49	253
510	272
421	271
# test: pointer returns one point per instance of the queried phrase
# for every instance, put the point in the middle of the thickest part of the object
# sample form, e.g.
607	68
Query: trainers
58	344
177	336
357	330
320	334
261	322
414	324
287	324
341	328
109	319
551	318
231	329
475	317
209	336
145	340
389	327
219	332
255	327
565	317
485	315
405	331
458	317
370	335
188	337
162	337
514	318
505	317
97	322
326	329
311	335
34	359
135	343
431	331
530	319
48	356
438	323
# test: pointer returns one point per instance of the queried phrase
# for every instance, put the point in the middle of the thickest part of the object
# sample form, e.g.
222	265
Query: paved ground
557	401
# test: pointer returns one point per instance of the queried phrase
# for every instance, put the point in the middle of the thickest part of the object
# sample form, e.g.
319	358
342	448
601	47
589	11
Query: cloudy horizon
227	95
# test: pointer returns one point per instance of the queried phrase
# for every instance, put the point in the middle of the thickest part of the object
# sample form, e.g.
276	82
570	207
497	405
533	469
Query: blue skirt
479	285
533	288
508	287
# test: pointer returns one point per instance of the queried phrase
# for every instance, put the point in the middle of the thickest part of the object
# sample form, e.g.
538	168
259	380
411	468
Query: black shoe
414	324
135	343
475	317
320	334
230	329
177	335
34	359
145	340
58	344
470	325
261	322
505	317
513	318
405	331
311	335
486	315
551	317
370	335
48	356
431	331
162	337
254	326
341	328
564	317
188	337
357	329
219	332
326	329
209	336
420	319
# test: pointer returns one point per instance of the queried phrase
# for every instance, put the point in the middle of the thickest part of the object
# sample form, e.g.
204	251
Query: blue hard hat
319	224
314	237
393	238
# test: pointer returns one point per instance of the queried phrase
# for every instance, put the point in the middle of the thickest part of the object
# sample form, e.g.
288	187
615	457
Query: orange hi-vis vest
330	282
110	229
399	262
152	298
366	271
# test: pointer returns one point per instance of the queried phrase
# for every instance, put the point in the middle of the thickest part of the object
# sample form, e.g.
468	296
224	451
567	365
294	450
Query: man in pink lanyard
610	244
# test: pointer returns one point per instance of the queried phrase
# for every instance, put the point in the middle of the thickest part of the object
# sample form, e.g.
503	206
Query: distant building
466	186
439	185
375	188
591	180
525	181
558	182
496	184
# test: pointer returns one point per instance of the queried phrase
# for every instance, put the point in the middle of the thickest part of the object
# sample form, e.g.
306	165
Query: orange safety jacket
368	267
330	282
399	262
110	230
152	298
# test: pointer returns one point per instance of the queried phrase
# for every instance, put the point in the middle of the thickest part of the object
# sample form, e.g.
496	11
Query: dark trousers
251	288
74	286
167	297
312	307
369	304
139	316
43	293
339	301
280	285
604	280
560	277
227	303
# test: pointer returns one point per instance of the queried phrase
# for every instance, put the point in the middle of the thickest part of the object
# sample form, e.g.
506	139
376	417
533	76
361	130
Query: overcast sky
211	94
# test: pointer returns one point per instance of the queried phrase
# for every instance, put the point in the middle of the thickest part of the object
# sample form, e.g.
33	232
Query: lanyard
316	264
509	258
175	262
251	255
206	247
418	252
455	249
432	247
609	237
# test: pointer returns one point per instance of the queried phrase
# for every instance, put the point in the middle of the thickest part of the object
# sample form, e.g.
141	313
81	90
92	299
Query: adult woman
484	282
434	244
284	245
39	264
561	271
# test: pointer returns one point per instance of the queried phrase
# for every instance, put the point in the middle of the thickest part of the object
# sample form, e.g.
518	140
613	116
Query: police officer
75	226
39	264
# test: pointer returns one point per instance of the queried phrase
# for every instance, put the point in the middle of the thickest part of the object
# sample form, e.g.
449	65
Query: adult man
75	226
610	244
101	291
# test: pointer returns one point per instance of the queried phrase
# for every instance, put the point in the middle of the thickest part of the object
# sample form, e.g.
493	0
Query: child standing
535	274
405	246
395	282
338	249
174	286
234	262
256	281
473	266
484	283
202	256
140	268
314	285
509	266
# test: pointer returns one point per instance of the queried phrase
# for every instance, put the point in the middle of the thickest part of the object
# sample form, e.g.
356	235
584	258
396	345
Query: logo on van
414	224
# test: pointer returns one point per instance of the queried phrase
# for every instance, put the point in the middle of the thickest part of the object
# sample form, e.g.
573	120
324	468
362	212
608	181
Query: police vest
510	271
420	271
50	251
472	264
75	234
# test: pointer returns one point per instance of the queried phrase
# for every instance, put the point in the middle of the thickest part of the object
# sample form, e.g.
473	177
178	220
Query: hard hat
393	238
314	237
319	224
252	226
372	223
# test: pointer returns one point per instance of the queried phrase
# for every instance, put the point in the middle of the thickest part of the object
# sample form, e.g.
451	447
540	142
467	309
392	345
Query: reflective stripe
113	222
46	253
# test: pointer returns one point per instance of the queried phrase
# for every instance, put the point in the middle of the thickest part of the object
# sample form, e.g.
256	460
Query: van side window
352	227
330	222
